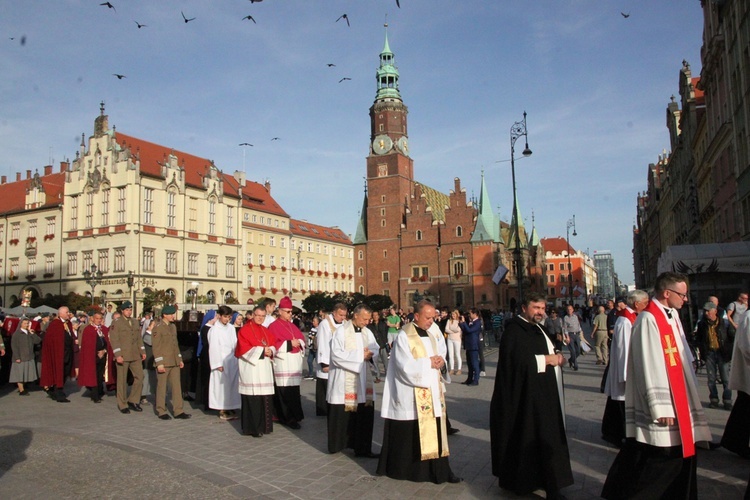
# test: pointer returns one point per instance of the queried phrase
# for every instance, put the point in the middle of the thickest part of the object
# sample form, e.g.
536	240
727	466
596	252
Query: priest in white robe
327	326
415	439
223	389
613	421
255	351
351	386
664	418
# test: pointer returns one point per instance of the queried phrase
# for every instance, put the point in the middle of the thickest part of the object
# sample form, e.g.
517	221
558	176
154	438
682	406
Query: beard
537	319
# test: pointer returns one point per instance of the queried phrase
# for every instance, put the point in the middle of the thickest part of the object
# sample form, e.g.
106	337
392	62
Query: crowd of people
250	367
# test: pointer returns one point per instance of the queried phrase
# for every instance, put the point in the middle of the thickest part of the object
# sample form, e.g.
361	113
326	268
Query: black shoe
97	400
452	431
63	400
188	397
183	416
23	393
135	407
125	411
165	417
367	455
455	479
257	435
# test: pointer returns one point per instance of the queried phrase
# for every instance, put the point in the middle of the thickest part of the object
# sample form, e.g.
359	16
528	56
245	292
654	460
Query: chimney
3	179
18	176
64	166
28	174
267	185
47	169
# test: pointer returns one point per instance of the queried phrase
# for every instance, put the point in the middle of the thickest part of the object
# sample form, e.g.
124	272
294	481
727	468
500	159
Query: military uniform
167	355
126	340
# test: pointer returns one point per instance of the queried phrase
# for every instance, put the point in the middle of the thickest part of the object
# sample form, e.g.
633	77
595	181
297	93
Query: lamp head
526	151
574	233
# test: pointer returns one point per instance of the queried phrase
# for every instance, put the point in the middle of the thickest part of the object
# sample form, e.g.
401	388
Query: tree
157	298
378	302
318	301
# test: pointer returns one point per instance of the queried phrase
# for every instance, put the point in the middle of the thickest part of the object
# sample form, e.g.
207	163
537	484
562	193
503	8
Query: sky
594	83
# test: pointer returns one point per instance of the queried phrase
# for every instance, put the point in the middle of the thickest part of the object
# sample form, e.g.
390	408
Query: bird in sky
119	76
344	17
625	15
249	17
345	78
139	24
253	1
108	5
276	139
246	144
331	65
186	19
398	4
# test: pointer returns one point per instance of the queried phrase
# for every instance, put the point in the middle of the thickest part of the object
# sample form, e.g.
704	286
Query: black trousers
321	387
98	391
350	429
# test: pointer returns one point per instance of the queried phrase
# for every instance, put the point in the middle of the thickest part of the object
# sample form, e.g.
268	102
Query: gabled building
571	277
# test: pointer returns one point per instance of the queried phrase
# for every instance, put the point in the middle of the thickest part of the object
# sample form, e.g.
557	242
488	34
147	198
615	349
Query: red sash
628	314
673	363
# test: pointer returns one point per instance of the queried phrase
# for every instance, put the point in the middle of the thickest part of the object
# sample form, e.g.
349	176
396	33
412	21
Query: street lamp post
518	130
571	223
92	277
221	291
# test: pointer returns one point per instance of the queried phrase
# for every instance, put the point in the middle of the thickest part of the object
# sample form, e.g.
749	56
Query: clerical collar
420	332
357	329
668	312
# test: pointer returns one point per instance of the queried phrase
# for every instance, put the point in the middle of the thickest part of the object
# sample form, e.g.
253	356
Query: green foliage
316	302
324	301
156	298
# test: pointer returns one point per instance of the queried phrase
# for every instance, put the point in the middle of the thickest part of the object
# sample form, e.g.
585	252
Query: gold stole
351	380
428	431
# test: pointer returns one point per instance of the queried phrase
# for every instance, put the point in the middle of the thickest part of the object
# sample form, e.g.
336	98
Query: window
551	267
261	281
74	212
105	207
72	264
382	223
14	267
90	209
103	260
282	242
31	266
261	259
419	271
282	261
230	222
317	248
458	268
309	247
149	264
171	257
551	278
172	208
382	198
419	235
325	249
361	255
382	212
272	281
271	260
361	271
386	276
148	205
249	281
212	265
562	267
121	206
230	267
192	264
50	227
249	258
32	228
272	241
119	259
87	259
49	264
552	291
193	215
386	292
459	231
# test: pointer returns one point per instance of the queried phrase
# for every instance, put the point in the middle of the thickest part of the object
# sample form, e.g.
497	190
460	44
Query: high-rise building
605	269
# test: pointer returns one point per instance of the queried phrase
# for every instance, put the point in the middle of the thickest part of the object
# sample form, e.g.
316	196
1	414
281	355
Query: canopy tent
30	311
711	258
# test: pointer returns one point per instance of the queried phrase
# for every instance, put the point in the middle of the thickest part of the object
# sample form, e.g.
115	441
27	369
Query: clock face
403	145
382	144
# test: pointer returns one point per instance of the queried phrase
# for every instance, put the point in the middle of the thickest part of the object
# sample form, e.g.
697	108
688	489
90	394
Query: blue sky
594	84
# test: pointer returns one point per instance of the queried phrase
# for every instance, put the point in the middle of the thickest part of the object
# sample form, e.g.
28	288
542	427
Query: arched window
459	231
458	268
361	255
361	271
211	296
361	289
419	235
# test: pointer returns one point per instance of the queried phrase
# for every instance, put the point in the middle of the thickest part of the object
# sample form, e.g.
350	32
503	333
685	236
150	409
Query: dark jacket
471	331
726	340
380	331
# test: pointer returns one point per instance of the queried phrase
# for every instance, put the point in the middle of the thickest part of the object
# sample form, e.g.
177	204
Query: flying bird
398	4
119	76
186	19
109	5
331	65
344	17
625	15
253	1
139	24
249	17
245	144
276	139
345	78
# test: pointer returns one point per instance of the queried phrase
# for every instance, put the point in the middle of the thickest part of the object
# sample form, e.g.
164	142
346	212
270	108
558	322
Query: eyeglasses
683	296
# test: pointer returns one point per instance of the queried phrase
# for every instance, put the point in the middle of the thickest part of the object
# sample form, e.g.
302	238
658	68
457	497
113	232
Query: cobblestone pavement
85	450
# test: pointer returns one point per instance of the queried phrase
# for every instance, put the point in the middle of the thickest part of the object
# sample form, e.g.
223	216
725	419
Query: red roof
151	156
698	92
305	229
13	194
557	245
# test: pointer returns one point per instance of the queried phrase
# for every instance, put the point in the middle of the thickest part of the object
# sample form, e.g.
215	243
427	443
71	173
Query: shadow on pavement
13	448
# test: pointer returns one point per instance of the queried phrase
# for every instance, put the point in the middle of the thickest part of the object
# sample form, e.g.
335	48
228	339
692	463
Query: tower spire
387	73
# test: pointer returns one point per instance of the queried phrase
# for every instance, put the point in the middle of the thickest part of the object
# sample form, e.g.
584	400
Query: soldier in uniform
168	362
129	353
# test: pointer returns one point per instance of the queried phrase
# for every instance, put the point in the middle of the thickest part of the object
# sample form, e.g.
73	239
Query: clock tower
390	181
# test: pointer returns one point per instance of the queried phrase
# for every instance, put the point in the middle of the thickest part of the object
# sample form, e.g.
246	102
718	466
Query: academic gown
527	424
351	428
223	393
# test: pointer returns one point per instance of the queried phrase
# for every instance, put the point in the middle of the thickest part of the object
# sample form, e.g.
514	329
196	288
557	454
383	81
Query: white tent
30	311
711	258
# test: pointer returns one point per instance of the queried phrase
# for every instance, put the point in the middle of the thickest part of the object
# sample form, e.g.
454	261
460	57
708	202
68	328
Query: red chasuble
253	335
676	376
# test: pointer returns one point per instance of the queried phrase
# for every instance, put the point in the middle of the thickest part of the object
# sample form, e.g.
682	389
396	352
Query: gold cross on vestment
670	351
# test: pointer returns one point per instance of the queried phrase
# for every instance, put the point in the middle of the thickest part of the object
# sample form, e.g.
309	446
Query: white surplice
325	334
223	388
617	374
405	372
352	361
256	372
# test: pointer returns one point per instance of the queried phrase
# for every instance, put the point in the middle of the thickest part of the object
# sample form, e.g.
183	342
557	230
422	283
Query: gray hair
636	296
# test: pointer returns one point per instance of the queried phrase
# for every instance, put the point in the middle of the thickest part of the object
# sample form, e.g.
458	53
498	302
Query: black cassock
527	432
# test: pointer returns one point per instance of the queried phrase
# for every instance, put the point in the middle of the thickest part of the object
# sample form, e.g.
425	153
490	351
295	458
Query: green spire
360	237
387	74
514	226
488	226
